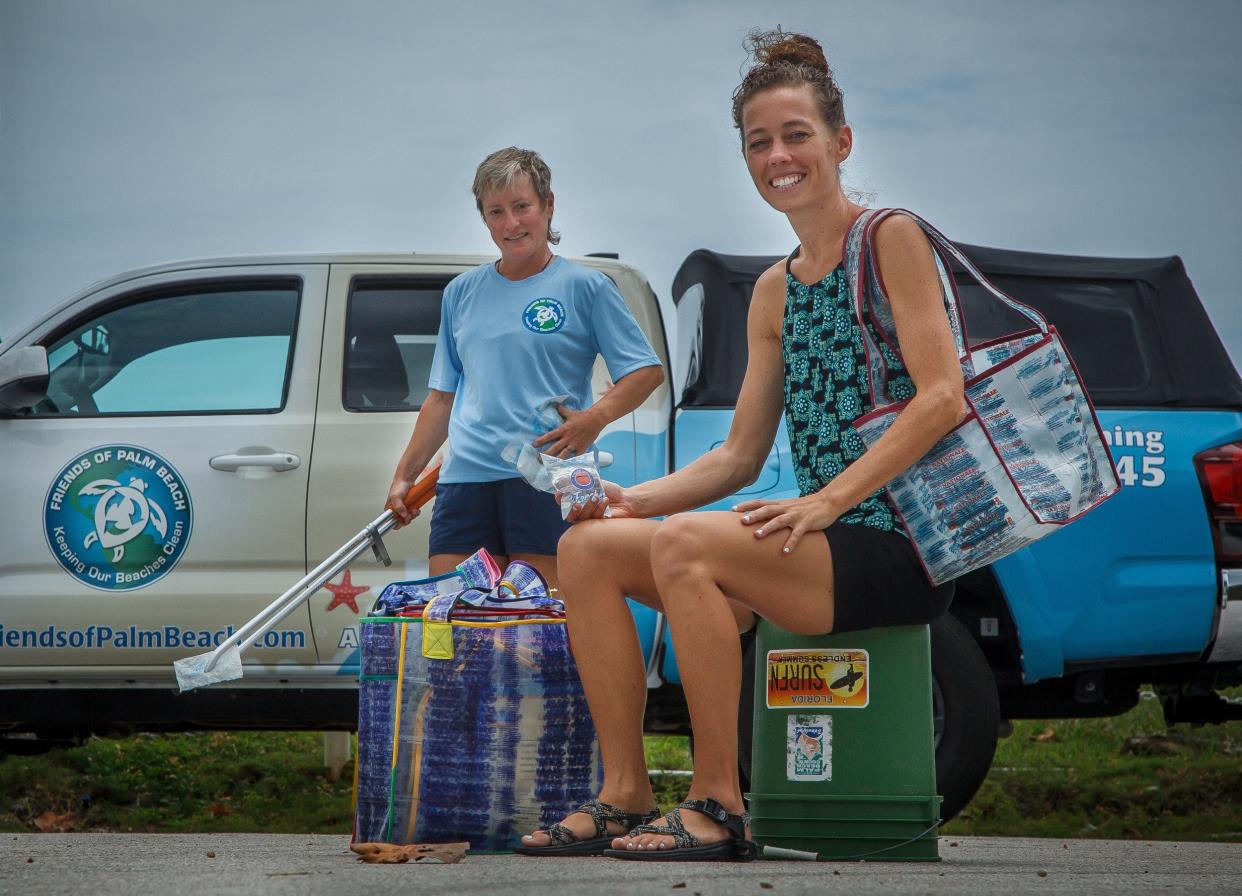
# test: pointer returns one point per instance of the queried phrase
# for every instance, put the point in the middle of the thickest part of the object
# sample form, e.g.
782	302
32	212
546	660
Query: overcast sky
139	131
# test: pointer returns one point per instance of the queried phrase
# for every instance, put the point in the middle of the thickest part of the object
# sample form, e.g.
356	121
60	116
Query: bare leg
601	563
697	560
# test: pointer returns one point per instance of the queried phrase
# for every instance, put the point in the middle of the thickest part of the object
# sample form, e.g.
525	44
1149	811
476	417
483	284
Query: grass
1125	777
214	781
668	753
1122	777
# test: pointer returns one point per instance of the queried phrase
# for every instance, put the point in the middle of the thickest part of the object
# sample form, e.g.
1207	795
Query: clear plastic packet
575	479
524	456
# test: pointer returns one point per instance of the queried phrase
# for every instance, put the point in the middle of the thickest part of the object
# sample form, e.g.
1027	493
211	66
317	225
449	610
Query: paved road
183	865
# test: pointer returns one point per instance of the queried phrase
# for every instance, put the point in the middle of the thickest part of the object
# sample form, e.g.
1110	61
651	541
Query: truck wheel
965	713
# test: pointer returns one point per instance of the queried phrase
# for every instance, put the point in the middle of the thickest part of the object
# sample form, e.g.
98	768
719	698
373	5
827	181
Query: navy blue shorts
506	517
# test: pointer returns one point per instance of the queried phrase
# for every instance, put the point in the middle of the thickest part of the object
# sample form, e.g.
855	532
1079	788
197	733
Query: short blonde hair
503	167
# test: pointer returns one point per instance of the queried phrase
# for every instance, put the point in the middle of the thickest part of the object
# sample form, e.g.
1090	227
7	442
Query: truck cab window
226	350
390	339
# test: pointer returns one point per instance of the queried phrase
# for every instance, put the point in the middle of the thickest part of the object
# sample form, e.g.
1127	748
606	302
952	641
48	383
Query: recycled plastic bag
521	451
575	481
472	724
1029	457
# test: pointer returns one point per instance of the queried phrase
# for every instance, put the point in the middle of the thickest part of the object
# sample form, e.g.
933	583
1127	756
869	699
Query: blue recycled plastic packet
575	479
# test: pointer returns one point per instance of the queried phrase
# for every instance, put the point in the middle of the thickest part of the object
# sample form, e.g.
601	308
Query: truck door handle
277	461
604	458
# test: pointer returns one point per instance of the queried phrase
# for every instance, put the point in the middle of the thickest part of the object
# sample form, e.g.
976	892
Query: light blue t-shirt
506	346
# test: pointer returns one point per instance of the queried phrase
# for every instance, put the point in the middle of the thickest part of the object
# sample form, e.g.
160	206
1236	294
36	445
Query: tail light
1220	472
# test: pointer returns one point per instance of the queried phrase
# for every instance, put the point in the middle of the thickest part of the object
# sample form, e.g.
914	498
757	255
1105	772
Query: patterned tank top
826	388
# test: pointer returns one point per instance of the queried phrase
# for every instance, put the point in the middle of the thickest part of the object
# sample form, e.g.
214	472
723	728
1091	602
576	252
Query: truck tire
965	714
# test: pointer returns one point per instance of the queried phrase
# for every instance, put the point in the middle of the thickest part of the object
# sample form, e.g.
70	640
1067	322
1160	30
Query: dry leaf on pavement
58	822
395	854
443	853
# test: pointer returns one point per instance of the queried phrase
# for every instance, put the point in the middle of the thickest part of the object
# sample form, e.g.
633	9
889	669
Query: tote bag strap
864	276
867	292
856	270
942	243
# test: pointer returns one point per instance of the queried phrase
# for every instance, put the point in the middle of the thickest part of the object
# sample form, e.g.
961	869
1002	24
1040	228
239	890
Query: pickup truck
188	438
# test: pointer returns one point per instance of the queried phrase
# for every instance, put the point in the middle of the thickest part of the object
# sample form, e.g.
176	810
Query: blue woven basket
472	724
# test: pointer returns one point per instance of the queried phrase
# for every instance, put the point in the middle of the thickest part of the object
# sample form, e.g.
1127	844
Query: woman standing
834	559
513	335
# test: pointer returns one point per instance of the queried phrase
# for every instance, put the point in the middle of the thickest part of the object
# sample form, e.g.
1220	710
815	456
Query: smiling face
518	221
791	152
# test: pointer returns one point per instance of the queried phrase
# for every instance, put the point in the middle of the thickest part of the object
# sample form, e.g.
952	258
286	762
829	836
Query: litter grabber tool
224	663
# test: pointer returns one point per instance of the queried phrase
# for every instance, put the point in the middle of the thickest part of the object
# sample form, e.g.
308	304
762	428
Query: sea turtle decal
118	517
115	522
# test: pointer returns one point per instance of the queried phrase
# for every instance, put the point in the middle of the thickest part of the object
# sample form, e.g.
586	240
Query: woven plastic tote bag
472	724
1030	456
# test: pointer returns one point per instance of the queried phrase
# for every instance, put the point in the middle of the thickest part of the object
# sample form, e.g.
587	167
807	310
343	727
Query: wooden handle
424	490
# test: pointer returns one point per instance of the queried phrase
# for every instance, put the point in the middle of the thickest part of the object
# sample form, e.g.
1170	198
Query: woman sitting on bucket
835	559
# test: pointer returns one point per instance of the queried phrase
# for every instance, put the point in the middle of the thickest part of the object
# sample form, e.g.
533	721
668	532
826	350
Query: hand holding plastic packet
574	479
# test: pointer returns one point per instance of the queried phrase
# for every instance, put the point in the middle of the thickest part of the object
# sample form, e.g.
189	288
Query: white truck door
638	444
635	448
380	332
157	496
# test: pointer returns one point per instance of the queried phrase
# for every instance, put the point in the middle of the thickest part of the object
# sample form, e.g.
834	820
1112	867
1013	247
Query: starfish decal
345	593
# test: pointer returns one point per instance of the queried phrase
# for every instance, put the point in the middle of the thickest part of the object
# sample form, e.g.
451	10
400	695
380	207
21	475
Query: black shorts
506	517
878	580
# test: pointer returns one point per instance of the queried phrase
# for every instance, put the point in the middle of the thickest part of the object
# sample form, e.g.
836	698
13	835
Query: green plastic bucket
844	764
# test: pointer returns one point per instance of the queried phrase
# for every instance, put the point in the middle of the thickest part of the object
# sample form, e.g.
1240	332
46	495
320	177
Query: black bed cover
1134	326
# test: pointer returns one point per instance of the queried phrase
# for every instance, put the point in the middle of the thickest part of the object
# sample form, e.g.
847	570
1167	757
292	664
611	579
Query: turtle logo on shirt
544	316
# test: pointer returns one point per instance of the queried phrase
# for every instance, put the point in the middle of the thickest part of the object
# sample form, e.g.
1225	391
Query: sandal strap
743	849
601	814
734	824
682	839
560	835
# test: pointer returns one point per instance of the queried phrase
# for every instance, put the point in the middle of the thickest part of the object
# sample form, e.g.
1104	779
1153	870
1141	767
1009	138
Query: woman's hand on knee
797	515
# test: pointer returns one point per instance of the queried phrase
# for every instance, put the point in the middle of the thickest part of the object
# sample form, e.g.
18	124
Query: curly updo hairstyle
784	59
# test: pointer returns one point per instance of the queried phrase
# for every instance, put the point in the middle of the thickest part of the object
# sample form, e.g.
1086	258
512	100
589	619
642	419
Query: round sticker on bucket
117	517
